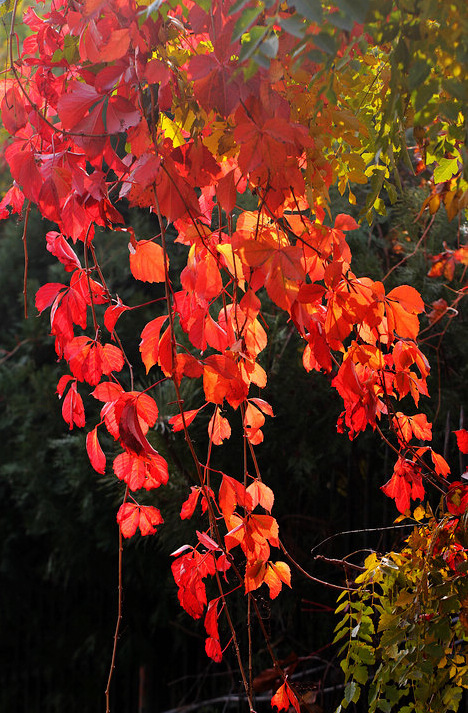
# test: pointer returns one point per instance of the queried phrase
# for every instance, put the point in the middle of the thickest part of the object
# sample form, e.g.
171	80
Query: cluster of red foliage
108	103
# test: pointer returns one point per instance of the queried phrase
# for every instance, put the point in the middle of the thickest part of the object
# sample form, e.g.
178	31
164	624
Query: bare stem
119	616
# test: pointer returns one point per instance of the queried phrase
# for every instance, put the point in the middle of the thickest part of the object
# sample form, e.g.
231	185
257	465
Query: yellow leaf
419	513
171	130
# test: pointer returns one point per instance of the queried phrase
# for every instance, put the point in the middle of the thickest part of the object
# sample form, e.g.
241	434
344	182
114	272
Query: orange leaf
261	494
177	422
219	428
149	345
231	494
277	574
147	261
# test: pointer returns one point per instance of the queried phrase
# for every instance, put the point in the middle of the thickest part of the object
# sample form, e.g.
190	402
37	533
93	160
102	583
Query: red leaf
13	112
95	452
277	574
149	518
121	114
128	518
462	440
63	381
112	314
145	471
188	507
47	294
263	406
404	484
212	645
107	391
213	649
73	107
58	246
131	517
73	409
284	697
130	432
440	464
457	498
89	360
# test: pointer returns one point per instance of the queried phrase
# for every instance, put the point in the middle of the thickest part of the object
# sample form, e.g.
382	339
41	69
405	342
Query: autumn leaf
284	698
73	408
277	574
130	431
405	484
188	507
177	422
146	471
457	498
95	452
409	426
149	345
89	360
261	494
462	440
219	428
131	517
147	261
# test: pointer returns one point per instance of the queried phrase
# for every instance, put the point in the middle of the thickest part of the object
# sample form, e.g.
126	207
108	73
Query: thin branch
309	576
418	244
356	532
26	259
119	615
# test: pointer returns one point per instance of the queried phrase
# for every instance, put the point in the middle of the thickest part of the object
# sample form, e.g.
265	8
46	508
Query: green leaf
244	21
360	674
456	88
252	41
237	6
325	42
447	168
419	71
310	9
342	633
293	25
352	692
6	6
424	94
269	47
342	22
341	606
357	9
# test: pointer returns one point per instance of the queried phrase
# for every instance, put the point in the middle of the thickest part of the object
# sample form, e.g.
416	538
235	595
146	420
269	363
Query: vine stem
86	259
310	576
119	614
201	477
26	259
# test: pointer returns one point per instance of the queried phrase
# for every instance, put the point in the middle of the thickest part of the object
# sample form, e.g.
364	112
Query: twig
309	576
119	616
26	259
